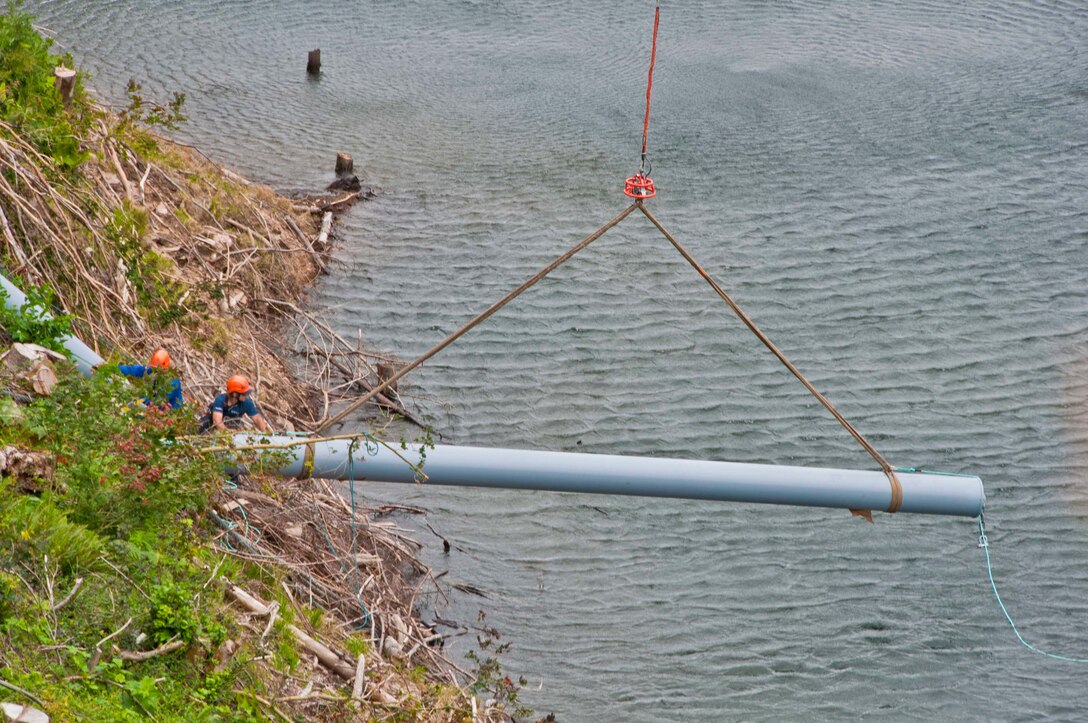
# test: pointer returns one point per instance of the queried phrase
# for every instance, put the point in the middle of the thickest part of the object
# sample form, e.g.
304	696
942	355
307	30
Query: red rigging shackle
639	187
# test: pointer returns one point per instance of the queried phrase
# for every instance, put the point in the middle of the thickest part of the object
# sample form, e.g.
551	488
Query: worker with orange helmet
165	388
233	405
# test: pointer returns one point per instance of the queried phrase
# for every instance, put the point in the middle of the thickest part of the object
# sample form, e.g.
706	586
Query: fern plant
37	527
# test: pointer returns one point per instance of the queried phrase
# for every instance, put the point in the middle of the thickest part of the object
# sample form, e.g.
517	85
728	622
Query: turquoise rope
930	471
367	621
232	485
984	543
354	553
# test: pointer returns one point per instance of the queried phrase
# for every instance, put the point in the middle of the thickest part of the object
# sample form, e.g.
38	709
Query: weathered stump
313	62
65	81
28	471
344	164
385	371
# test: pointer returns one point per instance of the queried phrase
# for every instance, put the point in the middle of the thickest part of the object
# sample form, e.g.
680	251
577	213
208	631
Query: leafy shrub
172	614
141	111
33	323
121	461
158	293
29	101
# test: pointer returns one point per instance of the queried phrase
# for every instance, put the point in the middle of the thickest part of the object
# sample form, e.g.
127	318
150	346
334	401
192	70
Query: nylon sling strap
482	316
893	479
307	462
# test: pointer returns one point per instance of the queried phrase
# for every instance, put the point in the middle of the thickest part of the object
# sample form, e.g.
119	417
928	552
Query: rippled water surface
895	191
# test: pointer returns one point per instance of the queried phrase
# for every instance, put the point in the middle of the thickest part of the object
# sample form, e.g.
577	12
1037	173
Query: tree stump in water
313	62
385	371
344	164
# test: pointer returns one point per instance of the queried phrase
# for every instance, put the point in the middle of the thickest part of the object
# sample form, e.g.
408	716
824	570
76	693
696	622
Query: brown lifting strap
896	487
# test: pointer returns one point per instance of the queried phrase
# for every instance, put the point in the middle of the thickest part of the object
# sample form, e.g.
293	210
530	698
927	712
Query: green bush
172	614
121	461
153	276
29	102
33	322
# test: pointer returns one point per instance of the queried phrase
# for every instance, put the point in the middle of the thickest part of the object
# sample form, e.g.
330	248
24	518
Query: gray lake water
897	192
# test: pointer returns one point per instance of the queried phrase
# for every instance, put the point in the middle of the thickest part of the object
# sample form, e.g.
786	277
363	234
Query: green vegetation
124	513
111	598
29	325
490	679
111	554
141	114
152	276
111	602
32	110
28	101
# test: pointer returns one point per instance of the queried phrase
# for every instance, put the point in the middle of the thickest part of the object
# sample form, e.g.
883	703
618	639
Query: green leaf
11	413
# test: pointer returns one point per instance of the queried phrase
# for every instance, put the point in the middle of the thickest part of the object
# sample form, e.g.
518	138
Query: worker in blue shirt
232	406
164	393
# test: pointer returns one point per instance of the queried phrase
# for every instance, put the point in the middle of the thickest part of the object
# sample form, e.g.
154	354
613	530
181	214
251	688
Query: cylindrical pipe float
923	492
85	357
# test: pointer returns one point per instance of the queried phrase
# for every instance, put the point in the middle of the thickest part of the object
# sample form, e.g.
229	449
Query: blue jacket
174	398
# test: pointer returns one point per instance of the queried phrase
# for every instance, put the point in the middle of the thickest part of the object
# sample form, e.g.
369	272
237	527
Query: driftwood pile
240	255
358	567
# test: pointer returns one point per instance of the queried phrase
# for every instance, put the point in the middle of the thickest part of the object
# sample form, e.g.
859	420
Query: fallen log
324	654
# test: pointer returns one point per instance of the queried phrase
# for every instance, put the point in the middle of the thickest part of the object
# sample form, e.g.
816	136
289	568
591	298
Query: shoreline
148	243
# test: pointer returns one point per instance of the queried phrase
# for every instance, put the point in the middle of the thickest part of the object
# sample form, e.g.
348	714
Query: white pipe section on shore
923	492
85	357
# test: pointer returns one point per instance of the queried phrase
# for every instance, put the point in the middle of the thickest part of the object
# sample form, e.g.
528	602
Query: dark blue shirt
245	405
139	371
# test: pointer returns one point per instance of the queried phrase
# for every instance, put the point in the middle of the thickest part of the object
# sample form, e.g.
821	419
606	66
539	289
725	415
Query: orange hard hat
238	384
160	359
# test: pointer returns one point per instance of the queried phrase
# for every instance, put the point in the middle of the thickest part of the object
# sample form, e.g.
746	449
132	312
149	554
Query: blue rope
354	554
932	471
984	543
371	448
232	485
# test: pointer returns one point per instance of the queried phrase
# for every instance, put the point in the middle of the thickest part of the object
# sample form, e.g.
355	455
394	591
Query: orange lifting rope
639	186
